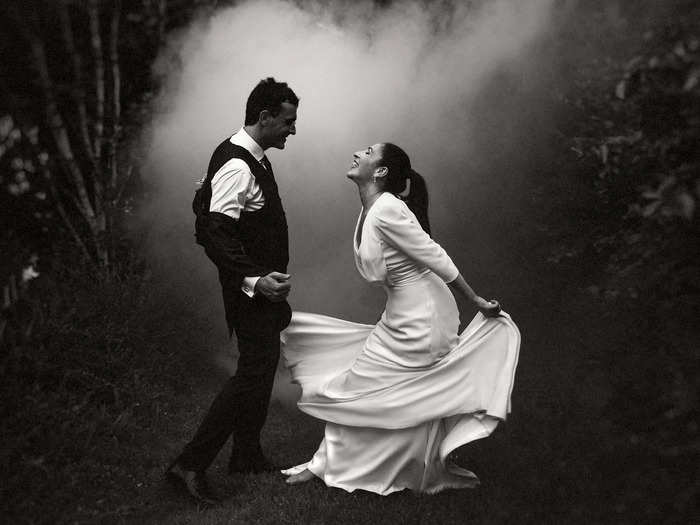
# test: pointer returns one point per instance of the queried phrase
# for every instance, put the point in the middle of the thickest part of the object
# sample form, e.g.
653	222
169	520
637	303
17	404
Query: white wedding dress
398	397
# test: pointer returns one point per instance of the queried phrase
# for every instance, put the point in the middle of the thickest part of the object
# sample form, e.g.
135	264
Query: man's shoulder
228	157
234	171
229	149
235	164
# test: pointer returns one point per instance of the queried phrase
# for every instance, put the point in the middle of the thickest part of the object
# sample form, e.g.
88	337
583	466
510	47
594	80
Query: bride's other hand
488	308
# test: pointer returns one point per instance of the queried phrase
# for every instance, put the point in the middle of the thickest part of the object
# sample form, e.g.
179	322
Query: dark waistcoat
262	234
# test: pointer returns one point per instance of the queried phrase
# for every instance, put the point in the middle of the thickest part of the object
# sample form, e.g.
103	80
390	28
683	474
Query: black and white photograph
314	262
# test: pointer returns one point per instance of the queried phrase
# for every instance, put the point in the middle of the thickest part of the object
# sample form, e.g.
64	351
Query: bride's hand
488	308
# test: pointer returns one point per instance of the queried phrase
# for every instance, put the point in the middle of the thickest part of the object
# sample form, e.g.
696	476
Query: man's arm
224	247
232	185
231	188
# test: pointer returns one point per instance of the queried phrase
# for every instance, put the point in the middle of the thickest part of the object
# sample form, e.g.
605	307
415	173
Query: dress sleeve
398	227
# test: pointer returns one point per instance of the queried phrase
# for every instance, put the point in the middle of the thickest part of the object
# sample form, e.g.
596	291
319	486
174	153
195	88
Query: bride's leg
303	476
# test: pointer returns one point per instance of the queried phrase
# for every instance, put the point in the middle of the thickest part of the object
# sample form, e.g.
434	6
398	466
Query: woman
398	397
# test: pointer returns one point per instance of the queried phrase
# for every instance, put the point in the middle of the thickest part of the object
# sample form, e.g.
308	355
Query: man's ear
264	116
381	171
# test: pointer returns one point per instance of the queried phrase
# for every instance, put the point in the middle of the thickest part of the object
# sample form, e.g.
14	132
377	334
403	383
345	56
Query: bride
398	397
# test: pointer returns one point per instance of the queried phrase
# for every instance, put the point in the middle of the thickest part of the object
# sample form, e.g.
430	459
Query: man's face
278	128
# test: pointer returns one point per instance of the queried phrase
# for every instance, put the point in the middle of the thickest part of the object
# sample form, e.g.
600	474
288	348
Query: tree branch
96	43
162	20
56	197
78	92
51	182
55	120
116	93
124	183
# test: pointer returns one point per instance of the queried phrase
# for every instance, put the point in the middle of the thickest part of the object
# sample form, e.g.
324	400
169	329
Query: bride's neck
369	194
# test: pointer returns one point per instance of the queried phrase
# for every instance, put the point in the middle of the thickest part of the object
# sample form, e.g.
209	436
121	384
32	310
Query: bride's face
364	163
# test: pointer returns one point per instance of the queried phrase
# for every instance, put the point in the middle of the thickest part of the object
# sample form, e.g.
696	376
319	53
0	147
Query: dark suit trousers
241	406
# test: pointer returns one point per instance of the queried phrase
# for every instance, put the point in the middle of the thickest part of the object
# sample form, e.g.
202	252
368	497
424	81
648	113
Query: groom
243	228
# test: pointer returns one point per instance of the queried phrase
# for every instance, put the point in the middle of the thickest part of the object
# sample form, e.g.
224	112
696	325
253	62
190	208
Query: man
242	226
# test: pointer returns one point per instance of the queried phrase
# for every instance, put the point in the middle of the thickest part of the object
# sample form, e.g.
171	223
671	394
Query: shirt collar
241	138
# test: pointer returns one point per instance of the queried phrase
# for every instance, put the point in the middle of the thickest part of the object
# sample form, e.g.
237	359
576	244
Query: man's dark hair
268	95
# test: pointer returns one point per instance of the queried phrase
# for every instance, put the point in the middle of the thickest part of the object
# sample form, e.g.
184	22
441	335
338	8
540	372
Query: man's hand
274	286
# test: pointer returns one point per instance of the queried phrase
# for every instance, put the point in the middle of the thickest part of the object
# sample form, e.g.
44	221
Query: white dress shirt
234	189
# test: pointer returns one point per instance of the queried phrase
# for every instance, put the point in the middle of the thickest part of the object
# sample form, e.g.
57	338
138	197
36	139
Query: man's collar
243	139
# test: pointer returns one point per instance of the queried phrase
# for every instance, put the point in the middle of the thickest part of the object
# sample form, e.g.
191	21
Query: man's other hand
274	286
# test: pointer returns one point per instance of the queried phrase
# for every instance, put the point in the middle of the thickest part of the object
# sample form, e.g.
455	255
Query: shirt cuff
248	285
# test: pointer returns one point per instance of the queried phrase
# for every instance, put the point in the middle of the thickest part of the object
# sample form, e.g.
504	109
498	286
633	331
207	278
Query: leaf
693	79
625	139
6	125
33	135
651	208
29	273
621	89
686	203
633	63
668	182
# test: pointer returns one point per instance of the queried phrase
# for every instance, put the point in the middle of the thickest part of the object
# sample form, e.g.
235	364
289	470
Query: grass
92	416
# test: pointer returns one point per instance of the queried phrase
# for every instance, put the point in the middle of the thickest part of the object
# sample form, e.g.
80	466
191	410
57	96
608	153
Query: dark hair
268	95
399	172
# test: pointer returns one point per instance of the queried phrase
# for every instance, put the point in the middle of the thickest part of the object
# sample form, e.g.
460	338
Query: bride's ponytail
417	199
399	173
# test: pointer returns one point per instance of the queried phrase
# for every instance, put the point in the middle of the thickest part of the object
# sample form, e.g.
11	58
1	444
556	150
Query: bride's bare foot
303	476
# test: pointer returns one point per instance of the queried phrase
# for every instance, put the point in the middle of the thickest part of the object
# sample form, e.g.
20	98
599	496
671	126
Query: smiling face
276	129
365	164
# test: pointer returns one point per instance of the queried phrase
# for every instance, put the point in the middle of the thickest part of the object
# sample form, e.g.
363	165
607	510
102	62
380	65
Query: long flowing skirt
398	397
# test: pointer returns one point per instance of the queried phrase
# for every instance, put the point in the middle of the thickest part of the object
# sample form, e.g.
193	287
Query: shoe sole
180	485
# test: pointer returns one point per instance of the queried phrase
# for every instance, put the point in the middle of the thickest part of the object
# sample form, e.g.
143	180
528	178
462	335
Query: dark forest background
103	370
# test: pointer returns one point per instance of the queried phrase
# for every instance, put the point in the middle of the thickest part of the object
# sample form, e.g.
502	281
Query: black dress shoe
195	484
255	466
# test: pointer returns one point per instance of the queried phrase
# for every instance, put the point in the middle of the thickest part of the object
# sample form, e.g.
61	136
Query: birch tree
73	53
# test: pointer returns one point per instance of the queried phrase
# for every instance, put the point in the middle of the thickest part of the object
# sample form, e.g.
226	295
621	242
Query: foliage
70	106
24	197
87	390
639	146
636	234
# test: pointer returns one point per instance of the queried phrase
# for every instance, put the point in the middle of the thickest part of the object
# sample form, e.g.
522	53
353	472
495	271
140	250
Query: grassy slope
560	458
545	465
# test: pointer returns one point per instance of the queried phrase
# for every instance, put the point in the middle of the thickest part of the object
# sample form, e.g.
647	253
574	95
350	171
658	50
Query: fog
454	83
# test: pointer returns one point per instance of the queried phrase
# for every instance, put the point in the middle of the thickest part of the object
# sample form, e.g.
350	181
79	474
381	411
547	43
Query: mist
453	83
